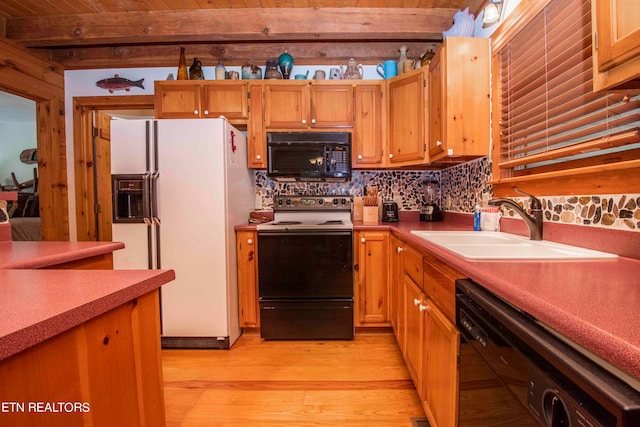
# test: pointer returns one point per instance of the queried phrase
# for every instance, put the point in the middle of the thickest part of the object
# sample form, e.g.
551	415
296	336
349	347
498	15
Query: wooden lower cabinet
414	348
422	303
247	255
440	369
396	290
371	278
104	372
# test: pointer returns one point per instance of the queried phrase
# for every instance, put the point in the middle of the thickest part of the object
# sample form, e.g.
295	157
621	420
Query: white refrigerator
197	187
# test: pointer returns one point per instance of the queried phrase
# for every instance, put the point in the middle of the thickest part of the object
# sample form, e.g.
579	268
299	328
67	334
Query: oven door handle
305	233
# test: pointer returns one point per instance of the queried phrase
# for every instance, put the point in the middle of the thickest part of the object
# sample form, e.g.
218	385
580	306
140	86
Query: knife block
370	214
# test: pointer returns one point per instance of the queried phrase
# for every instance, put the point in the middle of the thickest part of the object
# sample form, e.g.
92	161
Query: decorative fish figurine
119	83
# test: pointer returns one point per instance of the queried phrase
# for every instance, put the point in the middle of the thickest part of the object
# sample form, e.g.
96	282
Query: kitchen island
79	342
81	347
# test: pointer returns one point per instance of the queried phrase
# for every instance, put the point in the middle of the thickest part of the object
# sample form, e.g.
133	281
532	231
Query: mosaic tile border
462	187
466	185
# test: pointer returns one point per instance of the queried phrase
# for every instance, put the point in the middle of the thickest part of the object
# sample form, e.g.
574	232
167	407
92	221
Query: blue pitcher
387	69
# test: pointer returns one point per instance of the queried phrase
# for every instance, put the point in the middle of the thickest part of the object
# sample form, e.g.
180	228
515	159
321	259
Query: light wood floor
291	383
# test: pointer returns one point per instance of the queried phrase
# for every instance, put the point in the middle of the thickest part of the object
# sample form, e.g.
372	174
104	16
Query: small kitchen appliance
430	209
389	211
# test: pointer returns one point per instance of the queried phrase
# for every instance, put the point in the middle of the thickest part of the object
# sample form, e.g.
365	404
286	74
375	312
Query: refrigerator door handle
156	222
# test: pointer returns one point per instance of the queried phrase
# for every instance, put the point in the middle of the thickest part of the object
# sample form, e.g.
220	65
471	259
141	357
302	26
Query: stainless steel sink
496	245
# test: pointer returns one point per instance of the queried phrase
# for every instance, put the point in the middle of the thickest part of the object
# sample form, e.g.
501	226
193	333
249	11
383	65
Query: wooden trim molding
32	77
83	108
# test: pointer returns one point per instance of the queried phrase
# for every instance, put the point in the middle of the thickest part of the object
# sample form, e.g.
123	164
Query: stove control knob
335	201
279	202
344	201
288	202
320	201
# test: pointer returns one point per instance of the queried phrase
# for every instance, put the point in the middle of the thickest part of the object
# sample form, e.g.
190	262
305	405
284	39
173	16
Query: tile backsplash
461	188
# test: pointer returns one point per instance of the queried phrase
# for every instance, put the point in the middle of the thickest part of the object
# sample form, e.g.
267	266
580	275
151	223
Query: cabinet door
407	119
436	100
372	278
396	248
286	105
616	58
331	106
256	137
459	99
247	252
228	98
414	330
368	127
177	100
440	385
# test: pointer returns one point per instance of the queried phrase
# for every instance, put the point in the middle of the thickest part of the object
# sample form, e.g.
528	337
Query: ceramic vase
271	70
285	62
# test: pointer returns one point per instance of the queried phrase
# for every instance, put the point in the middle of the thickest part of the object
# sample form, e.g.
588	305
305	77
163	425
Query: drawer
439	285
413	264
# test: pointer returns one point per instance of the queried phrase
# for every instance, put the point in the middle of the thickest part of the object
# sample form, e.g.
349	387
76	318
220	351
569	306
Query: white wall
17	133
16	136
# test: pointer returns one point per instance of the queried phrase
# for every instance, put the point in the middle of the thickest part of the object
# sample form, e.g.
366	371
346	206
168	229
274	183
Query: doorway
91	118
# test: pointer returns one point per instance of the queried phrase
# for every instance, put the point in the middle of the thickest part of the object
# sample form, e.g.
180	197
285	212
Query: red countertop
39	304
593	303
47	254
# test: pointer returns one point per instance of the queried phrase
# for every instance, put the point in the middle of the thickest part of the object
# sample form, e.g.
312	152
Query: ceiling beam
304	53
232	25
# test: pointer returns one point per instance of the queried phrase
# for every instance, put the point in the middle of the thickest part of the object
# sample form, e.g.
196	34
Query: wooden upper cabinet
331	105
177	100
286	105
256	137
180	99
305	105
459	100
407	119
368	139
228	98
616	44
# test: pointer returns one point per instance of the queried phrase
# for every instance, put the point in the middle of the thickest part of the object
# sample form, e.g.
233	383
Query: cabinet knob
423	307
362	239
313	121
416	301
206	112
390	156
359	156
196	112
258	157
250	241
399	249
439	143
304	121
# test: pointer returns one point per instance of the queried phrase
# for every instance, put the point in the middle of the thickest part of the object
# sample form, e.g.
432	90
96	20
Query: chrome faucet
533	221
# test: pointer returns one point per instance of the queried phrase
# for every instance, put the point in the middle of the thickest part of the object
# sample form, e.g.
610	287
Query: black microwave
309	156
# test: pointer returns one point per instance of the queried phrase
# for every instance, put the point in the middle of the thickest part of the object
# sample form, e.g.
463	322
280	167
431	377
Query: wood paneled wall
42	81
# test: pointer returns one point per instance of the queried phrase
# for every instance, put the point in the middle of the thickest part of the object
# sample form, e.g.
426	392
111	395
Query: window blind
550	119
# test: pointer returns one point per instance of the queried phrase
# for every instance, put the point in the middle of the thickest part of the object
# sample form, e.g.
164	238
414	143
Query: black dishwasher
515	372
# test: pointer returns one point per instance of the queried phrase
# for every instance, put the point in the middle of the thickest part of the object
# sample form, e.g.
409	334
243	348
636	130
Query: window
554	135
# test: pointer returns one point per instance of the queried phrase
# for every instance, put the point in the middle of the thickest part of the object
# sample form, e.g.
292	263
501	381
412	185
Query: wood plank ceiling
127	33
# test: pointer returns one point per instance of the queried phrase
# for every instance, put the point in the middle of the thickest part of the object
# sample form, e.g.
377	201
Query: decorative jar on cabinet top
271	70
353	71
285	61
